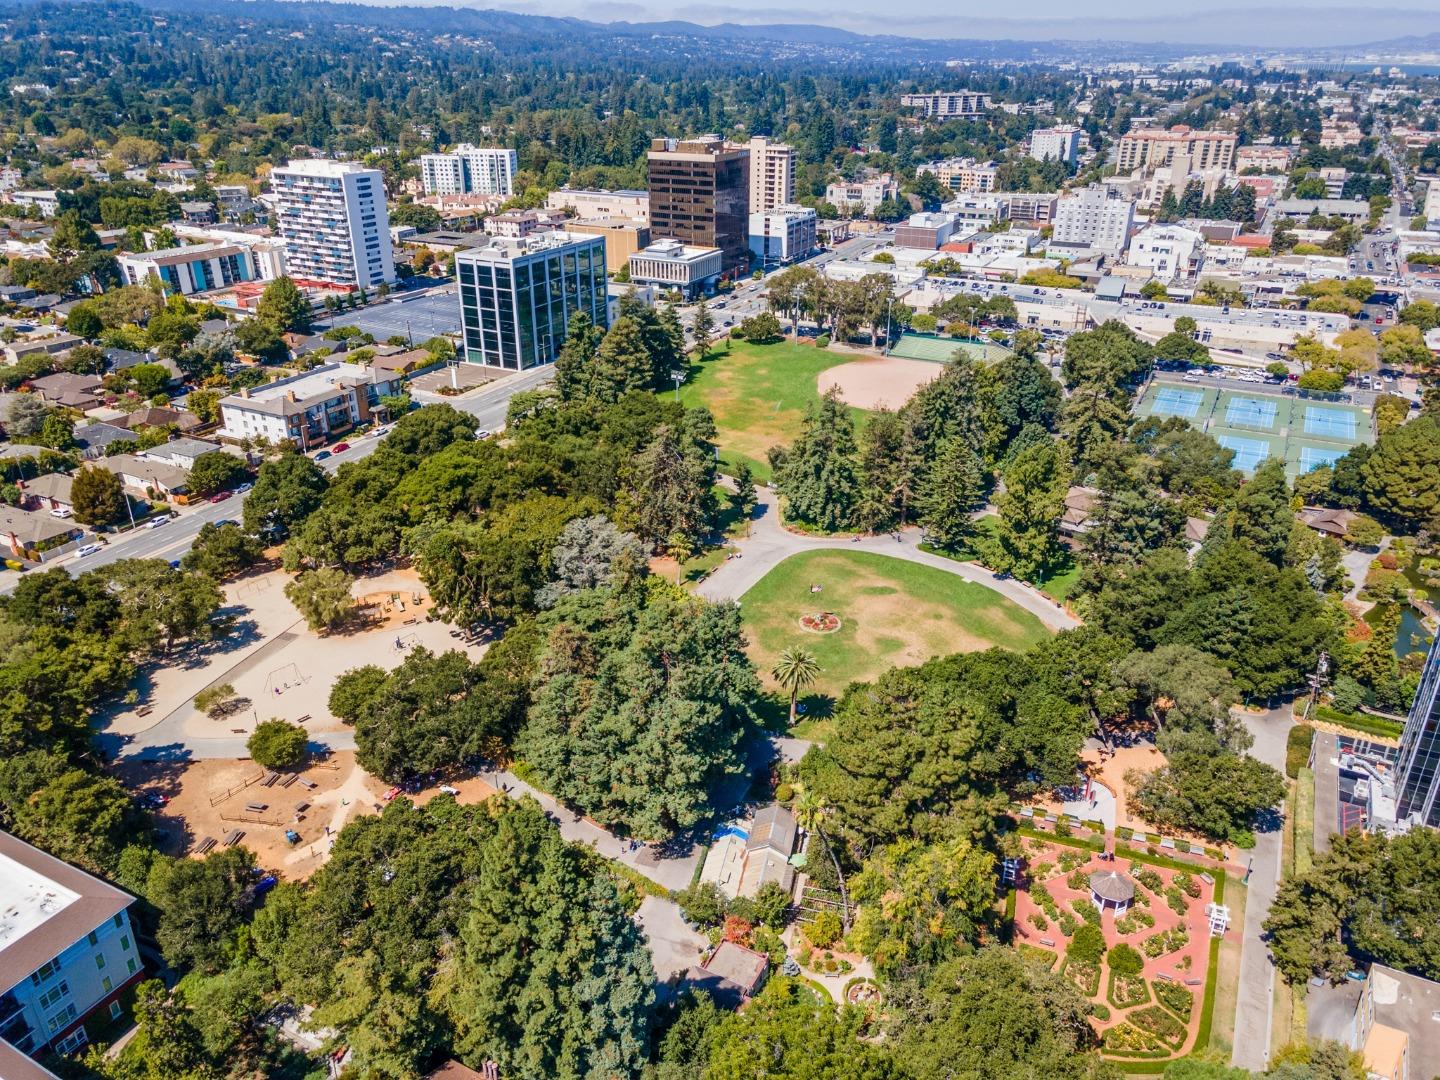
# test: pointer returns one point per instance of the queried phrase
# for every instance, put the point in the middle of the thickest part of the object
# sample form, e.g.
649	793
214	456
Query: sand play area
875	382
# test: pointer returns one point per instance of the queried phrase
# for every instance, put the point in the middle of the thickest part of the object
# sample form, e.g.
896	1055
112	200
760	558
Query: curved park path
770	543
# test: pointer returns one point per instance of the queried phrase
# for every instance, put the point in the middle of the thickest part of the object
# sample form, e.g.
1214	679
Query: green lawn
758	395
892	612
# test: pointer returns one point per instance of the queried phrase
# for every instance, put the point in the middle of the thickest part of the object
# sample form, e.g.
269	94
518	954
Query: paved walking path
770	543
1255	1002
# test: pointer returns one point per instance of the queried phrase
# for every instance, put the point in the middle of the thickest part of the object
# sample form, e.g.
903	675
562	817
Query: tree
922	904
1030	508
702	325
552	977
643	698
794	670
288	489
97	496
1402	474
952	488
283	306
818	479
217	470
322	596
222	551
1262	517
277	744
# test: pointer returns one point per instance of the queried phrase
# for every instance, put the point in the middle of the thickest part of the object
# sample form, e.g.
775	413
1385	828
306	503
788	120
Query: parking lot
414	316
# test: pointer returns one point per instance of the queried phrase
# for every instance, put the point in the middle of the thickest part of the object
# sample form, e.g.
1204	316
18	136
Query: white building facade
67	952
470	170
1091	219
782	235
333	218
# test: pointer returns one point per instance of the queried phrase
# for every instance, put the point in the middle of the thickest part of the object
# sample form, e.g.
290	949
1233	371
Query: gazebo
1111	889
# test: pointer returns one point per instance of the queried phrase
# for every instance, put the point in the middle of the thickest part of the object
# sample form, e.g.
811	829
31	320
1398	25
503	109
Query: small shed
1111	889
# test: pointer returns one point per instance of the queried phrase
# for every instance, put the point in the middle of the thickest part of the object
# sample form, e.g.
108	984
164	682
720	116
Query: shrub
1087	945
1126	960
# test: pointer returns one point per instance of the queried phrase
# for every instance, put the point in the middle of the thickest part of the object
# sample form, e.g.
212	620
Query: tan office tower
772	174
700	194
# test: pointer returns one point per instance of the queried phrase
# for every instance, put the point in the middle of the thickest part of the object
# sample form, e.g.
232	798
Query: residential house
35	537
152	479
732	975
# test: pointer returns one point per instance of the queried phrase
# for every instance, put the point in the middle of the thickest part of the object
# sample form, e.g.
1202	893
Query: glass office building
517	296
1417	771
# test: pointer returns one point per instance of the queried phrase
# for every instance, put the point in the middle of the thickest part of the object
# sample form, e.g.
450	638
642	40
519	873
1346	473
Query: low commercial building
623	237
517	296
673	265
193	268
925	231
310	408
67	953
783	235
598	203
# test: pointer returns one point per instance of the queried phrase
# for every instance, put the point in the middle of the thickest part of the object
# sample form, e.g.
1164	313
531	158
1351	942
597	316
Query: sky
1279	23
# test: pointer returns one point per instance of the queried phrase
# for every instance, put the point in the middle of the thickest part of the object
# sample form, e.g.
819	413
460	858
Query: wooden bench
232	837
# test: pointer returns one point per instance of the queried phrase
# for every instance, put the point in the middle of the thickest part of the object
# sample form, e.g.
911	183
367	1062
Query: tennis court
1257	413
1176	401
1307	457
1331	422
1250	449
941	349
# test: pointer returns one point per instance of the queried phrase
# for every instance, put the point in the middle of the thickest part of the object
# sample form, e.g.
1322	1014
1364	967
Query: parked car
219	496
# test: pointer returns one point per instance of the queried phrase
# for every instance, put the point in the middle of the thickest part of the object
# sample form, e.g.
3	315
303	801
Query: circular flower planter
823	622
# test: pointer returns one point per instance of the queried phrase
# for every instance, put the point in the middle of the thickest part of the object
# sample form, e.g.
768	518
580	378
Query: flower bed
1175	997
822	622
1156	1021
1166	941
1126	991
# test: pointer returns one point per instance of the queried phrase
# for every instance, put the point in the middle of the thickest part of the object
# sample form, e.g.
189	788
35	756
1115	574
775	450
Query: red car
219	496
340	448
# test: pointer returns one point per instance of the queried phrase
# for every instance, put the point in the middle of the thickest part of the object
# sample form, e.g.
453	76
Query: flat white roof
28	900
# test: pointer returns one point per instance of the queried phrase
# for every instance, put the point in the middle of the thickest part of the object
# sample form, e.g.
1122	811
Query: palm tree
794	670
810	813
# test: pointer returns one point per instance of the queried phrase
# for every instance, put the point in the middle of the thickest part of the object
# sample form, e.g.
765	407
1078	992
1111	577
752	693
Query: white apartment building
962	174
782	235
1151	148
67	950
470	170
1090	218
191	269
1169	252
333	217
772	175
673	265
597	203
309	408
942	105
1059	143
862	196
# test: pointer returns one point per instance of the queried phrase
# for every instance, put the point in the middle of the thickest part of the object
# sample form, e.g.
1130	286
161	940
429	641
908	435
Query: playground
1257	424
1153	958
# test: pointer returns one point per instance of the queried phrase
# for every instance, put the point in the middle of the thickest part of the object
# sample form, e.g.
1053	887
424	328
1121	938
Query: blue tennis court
1177	401
1329	422
1317	457
1251	412
1248	452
